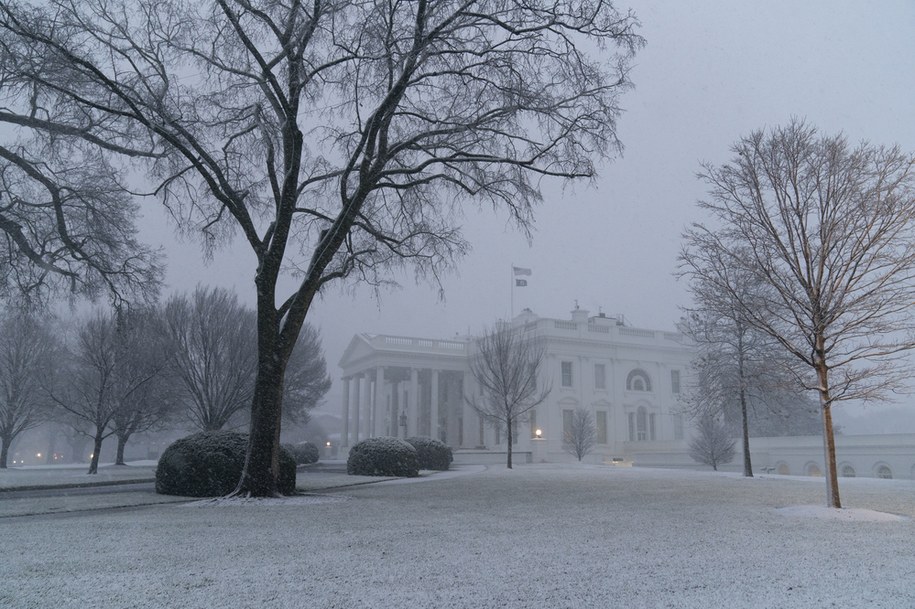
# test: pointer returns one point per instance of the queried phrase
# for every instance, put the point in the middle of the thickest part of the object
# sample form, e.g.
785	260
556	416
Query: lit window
566	374
600	376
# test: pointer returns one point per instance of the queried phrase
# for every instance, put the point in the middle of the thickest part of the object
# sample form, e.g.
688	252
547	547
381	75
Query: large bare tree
337	138
829	228
505	364
27	349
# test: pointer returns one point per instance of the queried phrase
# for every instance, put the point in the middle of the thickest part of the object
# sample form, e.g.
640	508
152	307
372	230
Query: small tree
505	365
711	445
581	435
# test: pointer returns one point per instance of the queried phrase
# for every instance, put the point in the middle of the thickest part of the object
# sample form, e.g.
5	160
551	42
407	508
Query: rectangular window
675	381
515	431
533	419
567	424
600	376
566	374
632	427
651	427
601	427
678	427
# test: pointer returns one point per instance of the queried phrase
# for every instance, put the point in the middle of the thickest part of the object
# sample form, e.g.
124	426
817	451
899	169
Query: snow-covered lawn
544	536
74	474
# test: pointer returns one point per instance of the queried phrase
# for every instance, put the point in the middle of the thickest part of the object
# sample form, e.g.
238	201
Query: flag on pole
521	283
521	271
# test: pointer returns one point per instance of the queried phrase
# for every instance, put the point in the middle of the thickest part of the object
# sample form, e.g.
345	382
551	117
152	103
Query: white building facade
628	379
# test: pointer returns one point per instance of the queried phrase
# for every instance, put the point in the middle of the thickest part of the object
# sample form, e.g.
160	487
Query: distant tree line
188	363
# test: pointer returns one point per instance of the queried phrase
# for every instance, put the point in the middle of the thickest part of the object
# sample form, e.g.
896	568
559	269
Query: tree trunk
747	466
508	436
119	457
829	440
96	451
4	451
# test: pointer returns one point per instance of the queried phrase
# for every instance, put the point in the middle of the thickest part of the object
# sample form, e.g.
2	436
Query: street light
538	433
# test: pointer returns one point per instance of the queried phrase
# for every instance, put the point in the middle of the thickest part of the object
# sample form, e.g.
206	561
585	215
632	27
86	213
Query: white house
629	379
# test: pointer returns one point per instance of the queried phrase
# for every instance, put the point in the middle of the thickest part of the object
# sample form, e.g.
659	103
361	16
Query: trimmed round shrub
432	454
382	457
303	452
209	464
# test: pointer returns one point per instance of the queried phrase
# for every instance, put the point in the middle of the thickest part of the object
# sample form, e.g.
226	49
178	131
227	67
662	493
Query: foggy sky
711	72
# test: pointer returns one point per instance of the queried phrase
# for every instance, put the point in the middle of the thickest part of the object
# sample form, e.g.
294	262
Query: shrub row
394	457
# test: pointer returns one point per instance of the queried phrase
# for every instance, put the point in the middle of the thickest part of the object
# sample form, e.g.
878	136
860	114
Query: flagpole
511	271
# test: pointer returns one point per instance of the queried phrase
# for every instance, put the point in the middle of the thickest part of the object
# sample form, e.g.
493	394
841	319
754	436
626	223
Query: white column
358	404
468	414
413	415
345	437
378	403
433	408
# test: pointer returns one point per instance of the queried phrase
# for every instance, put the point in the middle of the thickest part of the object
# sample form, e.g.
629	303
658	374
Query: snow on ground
538	536
74	474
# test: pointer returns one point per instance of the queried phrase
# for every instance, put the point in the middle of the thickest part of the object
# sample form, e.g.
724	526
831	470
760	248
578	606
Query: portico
402	387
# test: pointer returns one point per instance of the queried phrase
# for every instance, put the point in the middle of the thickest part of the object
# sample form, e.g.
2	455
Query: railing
636	332
448	345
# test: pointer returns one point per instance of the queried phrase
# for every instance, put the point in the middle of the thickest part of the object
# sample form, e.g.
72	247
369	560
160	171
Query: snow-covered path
545	536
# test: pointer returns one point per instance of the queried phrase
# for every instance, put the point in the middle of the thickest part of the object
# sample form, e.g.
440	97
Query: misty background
711	72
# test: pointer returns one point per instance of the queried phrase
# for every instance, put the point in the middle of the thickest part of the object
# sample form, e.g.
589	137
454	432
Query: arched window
783	469
814	470
638	381
885	472
848	471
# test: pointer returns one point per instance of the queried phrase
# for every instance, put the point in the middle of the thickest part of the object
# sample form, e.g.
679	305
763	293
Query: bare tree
307	380
830	230
215	361
26	357
105	377
581	435
151	403
338	138
505	365
711	445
